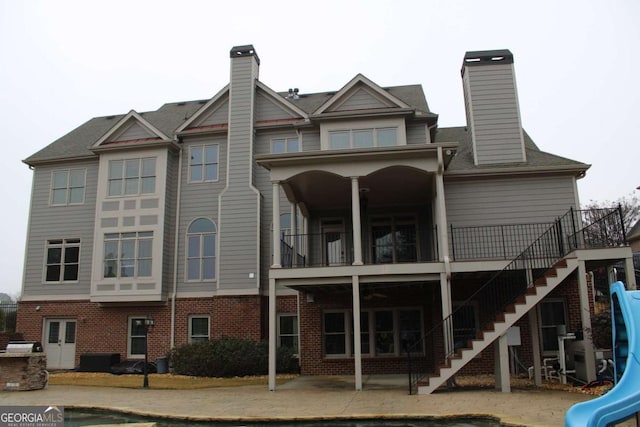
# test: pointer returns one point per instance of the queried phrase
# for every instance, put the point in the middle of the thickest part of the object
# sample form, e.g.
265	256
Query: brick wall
104	328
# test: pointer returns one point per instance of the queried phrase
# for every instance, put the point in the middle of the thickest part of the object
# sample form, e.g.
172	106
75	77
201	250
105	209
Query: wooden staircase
523	304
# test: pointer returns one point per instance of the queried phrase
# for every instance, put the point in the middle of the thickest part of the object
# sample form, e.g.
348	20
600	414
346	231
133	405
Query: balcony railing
498	242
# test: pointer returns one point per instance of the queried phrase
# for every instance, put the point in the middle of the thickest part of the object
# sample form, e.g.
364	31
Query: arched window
201	250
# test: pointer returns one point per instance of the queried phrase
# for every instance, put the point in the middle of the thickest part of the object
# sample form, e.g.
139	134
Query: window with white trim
201	250
136	337
285	145
363	138
127	254
62	261
132	177
203	163
288	331
67	187
198	328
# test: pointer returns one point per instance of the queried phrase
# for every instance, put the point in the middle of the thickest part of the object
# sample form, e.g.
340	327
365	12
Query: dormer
362	115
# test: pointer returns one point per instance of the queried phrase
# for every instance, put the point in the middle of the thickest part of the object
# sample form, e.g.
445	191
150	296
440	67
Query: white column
445	299
357	350
502	364
277	256
535	344
272	334
355	220
585	317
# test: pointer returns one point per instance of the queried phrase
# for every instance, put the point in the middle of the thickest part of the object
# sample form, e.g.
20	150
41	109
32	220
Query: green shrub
227	357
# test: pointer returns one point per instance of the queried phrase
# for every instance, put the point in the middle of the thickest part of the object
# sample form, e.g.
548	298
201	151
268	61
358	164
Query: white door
60	343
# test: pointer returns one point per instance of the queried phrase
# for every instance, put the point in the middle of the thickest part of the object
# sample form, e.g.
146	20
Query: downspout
175	252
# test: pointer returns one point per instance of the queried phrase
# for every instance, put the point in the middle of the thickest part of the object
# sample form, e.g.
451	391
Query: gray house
344	224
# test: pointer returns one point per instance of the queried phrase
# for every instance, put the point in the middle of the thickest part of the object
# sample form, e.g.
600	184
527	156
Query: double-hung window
288	331
67	187
203	163
198	328
201	250
137	337
63	256
132	177
127	254
285	145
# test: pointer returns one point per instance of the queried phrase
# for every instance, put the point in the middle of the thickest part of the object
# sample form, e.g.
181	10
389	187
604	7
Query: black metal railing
493	241
8	315
569	232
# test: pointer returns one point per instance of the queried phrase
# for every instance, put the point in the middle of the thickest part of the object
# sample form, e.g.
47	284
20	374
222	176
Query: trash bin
162	366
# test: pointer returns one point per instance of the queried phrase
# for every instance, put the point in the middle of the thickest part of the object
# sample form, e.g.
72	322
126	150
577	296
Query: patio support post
357	349
443	245
585	317
630	278
277	256
355	220
535	344
272	334
502	364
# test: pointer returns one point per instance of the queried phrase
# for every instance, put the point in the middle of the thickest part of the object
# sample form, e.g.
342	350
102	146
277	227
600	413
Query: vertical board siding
238	228
74	221
493	113
198	200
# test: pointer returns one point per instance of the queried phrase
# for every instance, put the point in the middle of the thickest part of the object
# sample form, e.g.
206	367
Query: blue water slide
623	400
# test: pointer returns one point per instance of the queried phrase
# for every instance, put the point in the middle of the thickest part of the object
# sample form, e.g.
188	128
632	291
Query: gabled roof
386	99
204	111
132	129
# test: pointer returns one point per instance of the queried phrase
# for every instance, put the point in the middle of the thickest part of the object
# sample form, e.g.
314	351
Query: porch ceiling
395	186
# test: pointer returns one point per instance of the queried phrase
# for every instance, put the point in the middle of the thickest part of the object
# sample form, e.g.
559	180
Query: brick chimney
493	113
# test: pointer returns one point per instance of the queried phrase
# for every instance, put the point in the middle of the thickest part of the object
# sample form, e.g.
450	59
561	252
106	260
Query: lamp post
147	322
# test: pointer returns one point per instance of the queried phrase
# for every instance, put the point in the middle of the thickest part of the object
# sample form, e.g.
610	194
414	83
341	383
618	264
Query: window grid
132	177
363	138
62	260
128	254
203	163
285	145
67	187
201	250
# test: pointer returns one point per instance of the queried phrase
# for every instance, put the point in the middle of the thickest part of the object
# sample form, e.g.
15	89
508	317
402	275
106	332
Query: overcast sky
64	62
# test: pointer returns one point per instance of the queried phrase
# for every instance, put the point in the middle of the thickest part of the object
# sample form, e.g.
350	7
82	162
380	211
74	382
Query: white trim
204	164
296	332
68	187
129	337
359	78
186	253
190	326
131	115
364	124
202	109
282	101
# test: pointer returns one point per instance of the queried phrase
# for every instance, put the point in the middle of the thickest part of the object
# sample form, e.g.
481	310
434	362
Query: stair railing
504	287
